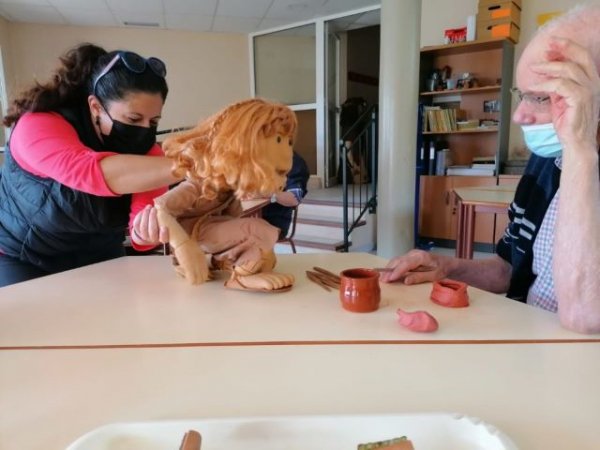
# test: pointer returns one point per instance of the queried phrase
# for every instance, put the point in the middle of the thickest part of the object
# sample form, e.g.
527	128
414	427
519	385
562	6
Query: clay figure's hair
223	152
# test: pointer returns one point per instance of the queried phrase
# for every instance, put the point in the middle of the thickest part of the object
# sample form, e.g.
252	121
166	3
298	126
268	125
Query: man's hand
417	266
286	199
573	83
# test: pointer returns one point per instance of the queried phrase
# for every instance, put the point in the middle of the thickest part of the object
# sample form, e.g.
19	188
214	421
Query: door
332	94
435	209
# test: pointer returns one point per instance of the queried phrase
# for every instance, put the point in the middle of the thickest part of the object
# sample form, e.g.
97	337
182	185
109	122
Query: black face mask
130	139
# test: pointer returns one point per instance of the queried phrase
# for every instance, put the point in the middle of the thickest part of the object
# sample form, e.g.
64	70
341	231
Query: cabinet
438	208
489	64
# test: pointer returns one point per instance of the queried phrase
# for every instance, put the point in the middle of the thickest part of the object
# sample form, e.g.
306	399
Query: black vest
52	226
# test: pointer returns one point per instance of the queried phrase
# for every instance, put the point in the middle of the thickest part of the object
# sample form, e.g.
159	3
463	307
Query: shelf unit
491	63
476	130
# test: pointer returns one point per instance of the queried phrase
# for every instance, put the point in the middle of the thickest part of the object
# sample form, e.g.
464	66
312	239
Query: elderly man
549	255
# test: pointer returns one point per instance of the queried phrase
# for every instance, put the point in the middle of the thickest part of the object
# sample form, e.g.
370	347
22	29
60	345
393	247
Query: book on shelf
441	120
484	160
470	171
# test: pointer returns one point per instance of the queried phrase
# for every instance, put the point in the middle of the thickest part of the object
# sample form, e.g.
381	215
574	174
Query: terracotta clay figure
450	293
244	151
419	321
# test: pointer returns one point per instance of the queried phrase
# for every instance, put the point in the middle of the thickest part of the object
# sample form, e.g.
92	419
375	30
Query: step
337	203
318	242
324	221
333	210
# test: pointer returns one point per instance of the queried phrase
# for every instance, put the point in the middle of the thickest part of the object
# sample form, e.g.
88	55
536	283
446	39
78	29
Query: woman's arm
48	146
125	174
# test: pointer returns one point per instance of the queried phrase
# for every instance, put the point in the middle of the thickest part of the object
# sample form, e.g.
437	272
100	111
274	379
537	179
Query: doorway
313	67
351	72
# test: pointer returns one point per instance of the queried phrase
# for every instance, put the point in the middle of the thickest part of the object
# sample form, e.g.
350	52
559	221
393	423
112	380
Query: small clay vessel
359	290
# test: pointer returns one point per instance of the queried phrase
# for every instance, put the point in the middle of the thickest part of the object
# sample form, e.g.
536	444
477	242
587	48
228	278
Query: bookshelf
476	130
490	65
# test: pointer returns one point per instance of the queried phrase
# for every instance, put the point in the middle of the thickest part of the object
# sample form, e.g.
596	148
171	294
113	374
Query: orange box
494	29
500	11
485	3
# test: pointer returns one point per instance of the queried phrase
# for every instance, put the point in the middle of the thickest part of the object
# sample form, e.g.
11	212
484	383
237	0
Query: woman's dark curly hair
72	82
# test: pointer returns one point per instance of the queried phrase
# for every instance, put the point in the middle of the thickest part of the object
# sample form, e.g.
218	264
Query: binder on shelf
422	166
431	170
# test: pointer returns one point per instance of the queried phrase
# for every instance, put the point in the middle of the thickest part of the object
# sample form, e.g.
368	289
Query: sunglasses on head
134	63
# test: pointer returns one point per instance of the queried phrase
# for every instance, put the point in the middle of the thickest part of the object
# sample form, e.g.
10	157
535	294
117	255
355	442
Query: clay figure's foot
261	282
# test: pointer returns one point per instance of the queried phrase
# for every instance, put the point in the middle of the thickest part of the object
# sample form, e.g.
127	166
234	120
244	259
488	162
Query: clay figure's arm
169	206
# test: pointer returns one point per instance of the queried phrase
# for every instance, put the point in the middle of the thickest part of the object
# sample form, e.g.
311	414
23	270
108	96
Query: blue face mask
542	140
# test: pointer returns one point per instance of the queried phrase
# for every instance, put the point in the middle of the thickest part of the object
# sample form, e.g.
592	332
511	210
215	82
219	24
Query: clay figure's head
245	148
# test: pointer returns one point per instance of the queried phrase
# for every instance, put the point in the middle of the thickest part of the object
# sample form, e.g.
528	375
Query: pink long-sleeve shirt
47	145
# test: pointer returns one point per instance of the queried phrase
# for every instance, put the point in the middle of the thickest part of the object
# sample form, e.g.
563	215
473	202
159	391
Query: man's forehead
532	54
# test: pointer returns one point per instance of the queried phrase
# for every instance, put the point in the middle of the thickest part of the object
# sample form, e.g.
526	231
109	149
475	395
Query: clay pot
359	290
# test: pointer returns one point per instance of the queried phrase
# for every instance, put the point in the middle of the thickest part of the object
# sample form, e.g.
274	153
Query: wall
438	15
285	67
205	71
5	54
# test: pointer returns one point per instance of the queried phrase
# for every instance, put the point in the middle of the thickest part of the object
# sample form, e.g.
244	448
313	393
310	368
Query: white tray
435	431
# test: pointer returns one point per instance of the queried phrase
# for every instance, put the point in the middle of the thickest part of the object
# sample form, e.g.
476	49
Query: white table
127	340
544	396
139	301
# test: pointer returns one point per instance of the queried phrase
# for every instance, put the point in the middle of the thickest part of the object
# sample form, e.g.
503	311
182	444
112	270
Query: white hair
580	24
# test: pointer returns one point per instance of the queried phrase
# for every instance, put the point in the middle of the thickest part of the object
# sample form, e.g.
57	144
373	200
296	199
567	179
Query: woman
82	164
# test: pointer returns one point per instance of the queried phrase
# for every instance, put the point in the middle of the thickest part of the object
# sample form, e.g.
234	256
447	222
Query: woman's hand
417	266
146	230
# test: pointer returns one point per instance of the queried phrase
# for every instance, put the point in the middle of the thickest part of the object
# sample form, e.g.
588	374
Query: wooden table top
139	301
543	396
488	195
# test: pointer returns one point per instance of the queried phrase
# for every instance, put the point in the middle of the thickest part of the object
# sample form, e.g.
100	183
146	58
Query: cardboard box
500	11
496	29
486	3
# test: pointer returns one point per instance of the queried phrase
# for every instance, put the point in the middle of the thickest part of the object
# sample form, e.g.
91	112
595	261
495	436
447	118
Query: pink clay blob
419	321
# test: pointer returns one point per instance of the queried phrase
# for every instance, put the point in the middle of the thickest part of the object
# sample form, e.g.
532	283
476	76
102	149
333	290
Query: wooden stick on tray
330	275
312	277
416	269
329	281
191	441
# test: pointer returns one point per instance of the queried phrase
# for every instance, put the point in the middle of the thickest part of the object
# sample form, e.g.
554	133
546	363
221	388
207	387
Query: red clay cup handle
359	290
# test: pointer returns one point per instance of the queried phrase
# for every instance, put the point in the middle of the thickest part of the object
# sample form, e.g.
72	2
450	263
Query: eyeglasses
536	100
134	63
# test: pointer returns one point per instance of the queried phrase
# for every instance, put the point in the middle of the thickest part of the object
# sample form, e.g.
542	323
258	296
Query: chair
289	238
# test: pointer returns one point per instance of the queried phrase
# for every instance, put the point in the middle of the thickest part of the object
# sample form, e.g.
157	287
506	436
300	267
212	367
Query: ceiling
224	16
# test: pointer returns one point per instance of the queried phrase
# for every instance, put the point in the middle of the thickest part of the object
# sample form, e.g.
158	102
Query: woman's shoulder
36	121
